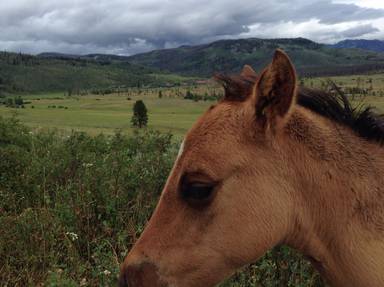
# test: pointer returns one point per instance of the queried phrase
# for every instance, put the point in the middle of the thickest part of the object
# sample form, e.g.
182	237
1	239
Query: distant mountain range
60	72
310	58
89	57
372	45
53	72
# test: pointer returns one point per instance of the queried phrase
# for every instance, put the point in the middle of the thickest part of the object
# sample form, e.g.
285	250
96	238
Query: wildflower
73	236
87	164
107	272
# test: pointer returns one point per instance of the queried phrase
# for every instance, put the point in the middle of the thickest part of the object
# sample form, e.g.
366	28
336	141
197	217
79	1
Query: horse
271	163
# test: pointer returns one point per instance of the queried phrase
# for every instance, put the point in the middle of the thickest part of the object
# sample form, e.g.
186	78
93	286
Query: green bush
71	208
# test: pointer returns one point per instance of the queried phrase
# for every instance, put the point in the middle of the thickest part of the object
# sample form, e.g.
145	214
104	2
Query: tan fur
312	184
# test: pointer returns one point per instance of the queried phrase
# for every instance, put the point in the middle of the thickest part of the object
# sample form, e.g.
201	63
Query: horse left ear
275	91
248	72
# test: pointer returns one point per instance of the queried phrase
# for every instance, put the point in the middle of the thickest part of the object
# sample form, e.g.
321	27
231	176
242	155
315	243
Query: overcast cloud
133	26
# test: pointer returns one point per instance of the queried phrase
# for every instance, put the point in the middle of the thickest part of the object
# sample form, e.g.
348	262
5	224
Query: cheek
248	221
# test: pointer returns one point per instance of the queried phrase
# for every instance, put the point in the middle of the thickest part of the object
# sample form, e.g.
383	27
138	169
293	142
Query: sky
127	27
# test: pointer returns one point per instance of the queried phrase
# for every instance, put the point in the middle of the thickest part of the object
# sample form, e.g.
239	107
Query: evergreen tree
140	117
188	95
18	101
2	88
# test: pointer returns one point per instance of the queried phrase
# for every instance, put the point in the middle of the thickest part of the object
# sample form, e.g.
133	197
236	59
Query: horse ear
275	91
248	72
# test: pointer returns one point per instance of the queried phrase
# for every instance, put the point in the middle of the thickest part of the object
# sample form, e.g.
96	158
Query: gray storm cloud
359	31
128	27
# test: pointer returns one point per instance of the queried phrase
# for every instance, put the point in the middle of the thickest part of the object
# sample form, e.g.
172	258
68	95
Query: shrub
77	203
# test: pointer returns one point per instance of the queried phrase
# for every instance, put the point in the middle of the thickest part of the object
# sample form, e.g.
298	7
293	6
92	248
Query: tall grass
71	207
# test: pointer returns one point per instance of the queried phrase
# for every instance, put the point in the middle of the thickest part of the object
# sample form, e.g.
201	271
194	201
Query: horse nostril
141	275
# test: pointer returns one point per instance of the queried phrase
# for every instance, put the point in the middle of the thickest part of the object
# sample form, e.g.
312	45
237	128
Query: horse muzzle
140	275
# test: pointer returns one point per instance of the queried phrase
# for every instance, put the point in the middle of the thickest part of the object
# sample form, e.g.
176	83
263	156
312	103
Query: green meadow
172	113
96	114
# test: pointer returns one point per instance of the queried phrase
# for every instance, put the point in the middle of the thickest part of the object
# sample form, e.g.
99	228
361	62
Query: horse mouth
141	275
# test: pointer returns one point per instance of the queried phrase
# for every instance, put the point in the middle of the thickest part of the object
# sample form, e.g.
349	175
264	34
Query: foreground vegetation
71	207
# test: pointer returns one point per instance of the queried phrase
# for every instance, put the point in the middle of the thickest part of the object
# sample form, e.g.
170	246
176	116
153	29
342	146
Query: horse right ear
275	92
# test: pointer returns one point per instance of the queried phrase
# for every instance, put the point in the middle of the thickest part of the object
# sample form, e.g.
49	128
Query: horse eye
197	192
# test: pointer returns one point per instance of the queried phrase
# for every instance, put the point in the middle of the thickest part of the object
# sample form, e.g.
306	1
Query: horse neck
338	219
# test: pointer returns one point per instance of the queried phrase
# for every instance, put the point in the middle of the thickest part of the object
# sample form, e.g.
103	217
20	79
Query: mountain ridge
229	56
54	72
364	44
21	73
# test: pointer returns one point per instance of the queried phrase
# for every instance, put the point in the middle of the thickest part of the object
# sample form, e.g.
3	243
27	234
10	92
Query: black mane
333	105
336	106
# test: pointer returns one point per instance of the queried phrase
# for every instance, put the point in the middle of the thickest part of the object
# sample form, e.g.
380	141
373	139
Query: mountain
371	45
21	73
310	58
48	72
90	57
54	55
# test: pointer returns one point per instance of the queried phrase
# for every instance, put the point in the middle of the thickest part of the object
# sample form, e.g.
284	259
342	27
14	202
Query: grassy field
369	81
96	114
372	85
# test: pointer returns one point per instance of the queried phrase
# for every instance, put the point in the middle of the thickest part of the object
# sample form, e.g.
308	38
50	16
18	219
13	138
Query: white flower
83	282
107	272
73	236
87	164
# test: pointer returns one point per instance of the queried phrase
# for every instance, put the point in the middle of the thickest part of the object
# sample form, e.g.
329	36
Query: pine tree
18	101
140	117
